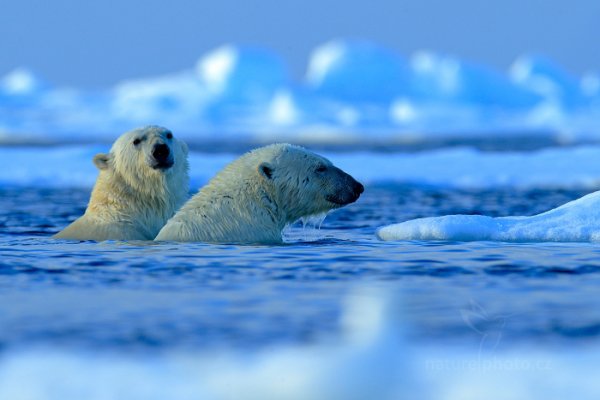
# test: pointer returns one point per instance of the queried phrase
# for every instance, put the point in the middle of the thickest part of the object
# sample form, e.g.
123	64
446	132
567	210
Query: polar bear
143	180
252	199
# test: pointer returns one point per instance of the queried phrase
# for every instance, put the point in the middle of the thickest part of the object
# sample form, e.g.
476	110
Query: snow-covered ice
569	167
576	221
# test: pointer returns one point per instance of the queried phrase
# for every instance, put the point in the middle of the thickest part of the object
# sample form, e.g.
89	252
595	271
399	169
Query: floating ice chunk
242	72
548	114
576	221
590	85
177	97
447	79
282	109
242	83
215	68
348	116
403	111
21	81
21	91
543	77
323	60
450	227
356	72
435	76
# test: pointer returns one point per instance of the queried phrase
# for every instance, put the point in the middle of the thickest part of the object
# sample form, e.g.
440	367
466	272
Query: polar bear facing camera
143	180
252	199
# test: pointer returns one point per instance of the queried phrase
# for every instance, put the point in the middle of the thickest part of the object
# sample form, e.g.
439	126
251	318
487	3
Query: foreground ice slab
577	221
371	360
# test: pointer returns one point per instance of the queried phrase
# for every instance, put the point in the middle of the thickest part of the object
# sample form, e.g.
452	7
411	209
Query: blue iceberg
446	79
353	91
357	72
540	75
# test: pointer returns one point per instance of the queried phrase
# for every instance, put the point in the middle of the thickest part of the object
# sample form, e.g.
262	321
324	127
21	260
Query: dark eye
137	141
169	135
321	168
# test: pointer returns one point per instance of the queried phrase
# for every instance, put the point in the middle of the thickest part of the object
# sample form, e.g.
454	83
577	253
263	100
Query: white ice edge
576	221
71	166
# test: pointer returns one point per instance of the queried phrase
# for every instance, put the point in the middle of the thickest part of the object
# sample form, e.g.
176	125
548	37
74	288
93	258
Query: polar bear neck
233	207
148	207
251	210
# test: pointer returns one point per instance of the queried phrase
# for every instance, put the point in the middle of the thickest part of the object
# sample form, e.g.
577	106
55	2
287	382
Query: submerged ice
576	221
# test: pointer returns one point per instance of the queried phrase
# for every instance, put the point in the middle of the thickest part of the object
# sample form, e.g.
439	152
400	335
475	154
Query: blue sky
95	44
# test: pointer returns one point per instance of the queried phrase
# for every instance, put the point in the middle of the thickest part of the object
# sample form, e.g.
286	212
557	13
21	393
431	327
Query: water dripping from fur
310	230
313	221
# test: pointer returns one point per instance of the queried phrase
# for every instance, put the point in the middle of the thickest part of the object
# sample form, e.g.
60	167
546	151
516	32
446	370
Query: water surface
137	296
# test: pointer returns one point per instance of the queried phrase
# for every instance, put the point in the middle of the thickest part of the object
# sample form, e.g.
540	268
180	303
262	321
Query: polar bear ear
101	160
184	146
265	170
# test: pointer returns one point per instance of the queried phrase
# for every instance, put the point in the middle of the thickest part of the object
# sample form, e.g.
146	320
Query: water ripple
141	294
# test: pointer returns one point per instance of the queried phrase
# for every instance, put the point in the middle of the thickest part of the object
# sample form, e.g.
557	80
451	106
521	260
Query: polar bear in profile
143	180
252	199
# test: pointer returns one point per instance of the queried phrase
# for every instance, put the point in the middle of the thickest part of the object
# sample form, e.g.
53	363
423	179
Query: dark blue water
143	295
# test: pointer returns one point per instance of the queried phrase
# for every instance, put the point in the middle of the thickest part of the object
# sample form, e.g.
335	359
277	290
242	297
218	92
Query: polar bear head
303	182
254	197
144	155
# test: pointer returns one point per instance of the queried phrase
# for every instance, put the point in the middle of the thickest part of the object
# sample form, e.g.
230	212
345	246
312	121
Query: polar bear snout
349	191
162	157
355	189
358	188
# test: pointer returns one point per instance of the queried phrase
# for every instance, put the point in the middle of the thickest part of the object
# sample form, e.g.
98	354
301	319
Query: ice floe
576	221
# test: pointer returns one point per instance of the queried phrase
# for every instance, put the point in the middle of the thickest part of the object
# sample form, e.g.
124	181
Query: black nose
161	152
359	188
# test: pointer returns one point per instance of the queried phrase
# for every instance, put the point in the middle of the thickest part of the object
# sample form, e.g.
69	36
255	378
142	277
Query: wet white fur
242	204
131	200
